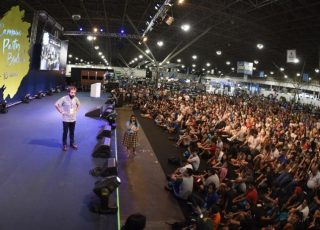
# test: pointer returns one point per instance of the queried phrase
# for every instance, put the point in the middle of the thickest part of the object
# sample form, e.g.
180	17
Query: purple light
80	28
122	31
101	30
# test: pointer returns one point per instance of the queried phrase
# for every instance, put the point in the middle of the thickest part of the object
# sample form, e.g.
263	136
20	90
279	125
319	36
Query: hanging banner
291	56
244	67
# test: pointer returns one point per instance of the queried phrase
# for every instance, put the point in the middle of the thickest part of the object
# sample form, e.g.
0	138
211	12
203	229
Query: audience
262	154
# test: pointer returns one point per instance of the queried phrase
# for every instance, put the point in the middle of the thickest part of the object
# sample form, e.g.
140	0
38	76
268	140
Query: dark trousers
68	126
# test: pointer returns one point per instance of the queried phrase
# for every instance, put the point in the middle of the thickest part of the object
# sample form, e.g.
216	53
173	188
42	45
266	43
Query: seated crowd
260	157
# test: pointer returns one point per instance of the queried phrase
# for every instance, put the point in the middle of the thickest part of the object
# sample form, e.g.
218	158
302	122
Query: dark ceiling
236	26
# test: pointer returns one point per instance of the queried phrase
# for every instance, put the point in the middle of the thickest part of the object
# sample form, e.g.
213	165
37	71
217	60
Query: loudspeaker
106	132
102	149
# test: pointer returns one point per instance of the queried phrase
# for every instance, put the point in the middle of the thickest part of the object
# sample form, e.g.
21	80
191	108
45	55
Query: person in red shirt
251	196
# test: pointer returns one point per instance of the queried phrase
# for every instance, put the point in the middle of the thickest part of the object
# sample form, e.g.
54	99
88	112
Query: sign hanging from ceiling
291	56
245	67
14	58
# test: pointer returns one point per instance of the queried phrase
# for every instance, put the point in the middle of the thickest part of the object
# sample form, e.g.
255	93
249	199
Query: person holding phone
130	138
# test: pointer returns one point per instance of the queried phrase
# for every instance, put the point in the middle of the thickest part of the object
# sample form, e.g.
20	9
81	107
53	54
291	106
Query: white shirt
69	108
314	181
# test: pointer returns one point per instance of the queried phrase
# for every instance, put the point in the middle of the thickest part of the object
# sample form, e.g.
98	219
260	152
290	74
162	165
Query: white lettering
7	44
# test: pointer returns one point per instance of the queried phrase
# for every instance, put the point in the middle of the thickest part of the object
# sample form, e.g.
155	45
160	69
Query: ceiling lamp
185	27
218	52
285	76
100	53
180	2
140	56
193	65
228	63
95	30
147	51
298	74
296	60
96	47
260	46
145	39
194	57
136	59
271	72
182	66
160	43
281	69
70	55
179	60
317	70
256	62
208	64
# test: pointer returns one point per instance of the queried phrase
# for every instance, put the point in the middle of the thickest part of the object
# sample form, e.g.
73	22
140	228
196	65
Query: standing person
68	106
131	135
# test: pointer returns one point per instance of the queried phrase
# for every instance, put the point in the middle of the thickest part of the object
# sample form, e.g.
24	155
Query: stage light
102	56
95	30
281	69
193	70
122	31
81	60
140	56
185	27
147	51
260	46
101	30
310	78
26	98
160	43
193	65
232	68
194	57
145	39
179	60
256	62
100	53
298	74
218	52
180	2
203	69
168	62
80	29
103	189
286	76
3	107
208	64
90	38
317	70
182	66
96	47
296	60
156	8
70	55
271	72
228	63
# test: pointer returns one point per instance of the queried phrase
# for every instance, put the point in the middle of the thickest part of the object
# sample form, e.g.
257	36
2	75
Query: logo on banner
291	56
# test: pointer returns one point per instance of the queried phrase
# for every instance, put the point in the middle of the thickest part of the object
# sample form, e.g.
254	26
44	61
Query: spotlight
39	95
3	107
260	46
145	39
218	52
103	189
208	64
281	69
147	51
81	29
26	98
194	57
256	62
160	43
101	30
96	47
185	27
178	60
95	30
228	63
317	70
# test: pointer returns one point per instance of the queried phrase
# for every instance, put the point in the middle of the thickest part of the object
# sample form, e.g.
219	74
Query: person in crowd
68	106
130	138
135	221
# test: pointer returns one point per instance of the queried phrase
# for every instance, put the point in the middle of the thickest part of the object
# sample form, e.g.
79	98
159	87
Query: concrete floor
143	181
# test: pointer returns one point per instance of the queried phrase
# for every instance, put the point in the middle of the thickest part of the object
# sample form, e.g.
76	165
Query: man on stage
68	106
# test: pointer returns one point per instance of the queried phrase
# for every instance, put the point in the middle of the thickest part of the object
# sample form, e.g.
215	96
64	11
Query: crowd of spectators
260	157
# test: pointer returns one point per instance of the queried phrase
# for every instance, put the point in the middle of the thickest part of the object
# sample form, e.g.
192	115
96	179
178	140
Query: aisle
143	180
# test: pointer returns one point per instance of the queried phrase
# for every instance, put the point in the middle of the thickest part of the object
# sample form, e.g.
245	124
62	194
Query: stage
43	187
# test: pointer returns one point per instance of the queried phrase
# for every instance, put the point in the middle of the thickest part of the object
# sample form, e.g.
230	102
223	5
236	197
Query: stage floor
41	186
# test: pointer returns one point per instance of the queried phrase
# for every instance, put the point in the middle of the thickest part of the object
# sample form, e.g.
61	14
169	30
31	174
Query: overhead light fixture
194	57
317	70
256	62
81	29
96	47
182	66
203	69
179	60
102	56
70	55
185	27
296	60
169	20
271	72
168	62
140	56
160	43
90	38
281	69
95	30
147	51
232	68
192	70
180	2
298	74
100	53
285	76
260	46
77	58
145	39
228	63
218	52
193	65
208	64
310	78
81	60
136	59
